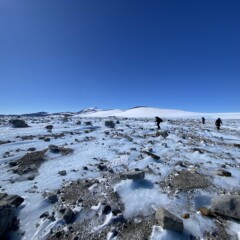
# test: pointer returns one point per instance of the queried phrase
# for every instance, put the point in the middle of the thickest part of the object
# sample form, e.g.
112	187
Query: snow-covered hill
150	112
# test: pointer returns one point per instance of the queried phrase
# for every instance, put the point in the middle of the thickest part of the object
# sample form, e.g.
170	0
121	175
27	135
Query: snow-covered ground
201	148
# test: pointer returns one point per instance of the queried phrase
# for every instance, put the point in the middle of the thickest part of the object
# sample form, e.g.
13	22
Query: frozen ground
190	146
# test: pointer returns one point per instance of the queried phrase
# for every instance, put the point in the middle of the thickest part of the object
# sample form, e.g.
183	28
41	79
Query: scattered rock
17	123
226	205
62	173
65	151
186	215
206	212
32	149
134	175
102	167
31	177
164	134
44	215
51	197
110	124
49	127
168	220
68	215
53	148
224	173
154	156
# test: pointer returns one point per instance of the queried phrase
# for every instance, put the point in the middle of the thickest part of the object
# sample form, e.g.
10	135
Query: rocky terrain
119	178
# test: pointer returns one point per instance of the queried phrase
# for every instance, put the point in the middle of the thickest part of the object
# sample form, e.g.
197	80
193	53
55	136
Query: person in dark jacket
158	120
203	120
218	123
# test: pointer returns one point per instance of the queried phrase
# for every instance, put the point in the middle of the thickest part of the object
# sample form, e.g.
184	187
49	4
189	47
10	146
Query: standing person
158	120
203	120
218	123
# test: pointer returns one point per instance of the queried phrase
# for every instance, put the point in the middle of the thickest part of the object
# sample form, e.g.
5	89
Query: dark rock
88	123
107	209
134	175
115	212
154	156
45	214
47	139
51	197
31	149
31	177
102	167
110	124
7	214
14	200
12	164
224	173
17	123
49	127
62	173
68	215
226	205
168	220
65	151
53	148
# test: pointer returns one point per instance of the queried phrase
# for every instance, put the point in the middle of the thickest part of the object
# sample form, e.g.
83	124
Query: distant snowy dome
89	110
150	112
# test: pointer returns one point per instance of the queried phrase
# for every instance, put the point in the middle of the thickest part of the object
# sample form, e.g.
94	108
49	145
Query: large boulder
18	123
168	220
7	214
226	205
8	205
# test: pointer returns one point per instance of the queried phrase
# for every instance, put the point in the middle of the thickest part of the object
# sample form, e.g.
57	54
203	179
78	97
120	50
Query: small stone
45	214
62	173
224	173
186	215
107	209
49	127
31	177
31	149
206	212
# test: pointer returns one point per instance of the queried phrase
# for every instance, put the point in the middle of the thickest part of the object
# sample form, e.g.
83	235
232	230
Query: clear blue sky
65	55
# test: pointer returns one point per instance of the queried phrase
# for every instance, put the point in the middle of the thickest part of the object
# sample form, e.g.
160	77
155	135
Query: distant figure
203	120
158	120
218	123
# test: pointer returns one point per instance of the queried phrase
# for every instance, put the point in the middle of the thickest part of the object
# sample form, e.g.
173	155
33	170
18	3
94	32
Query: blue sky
65	55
